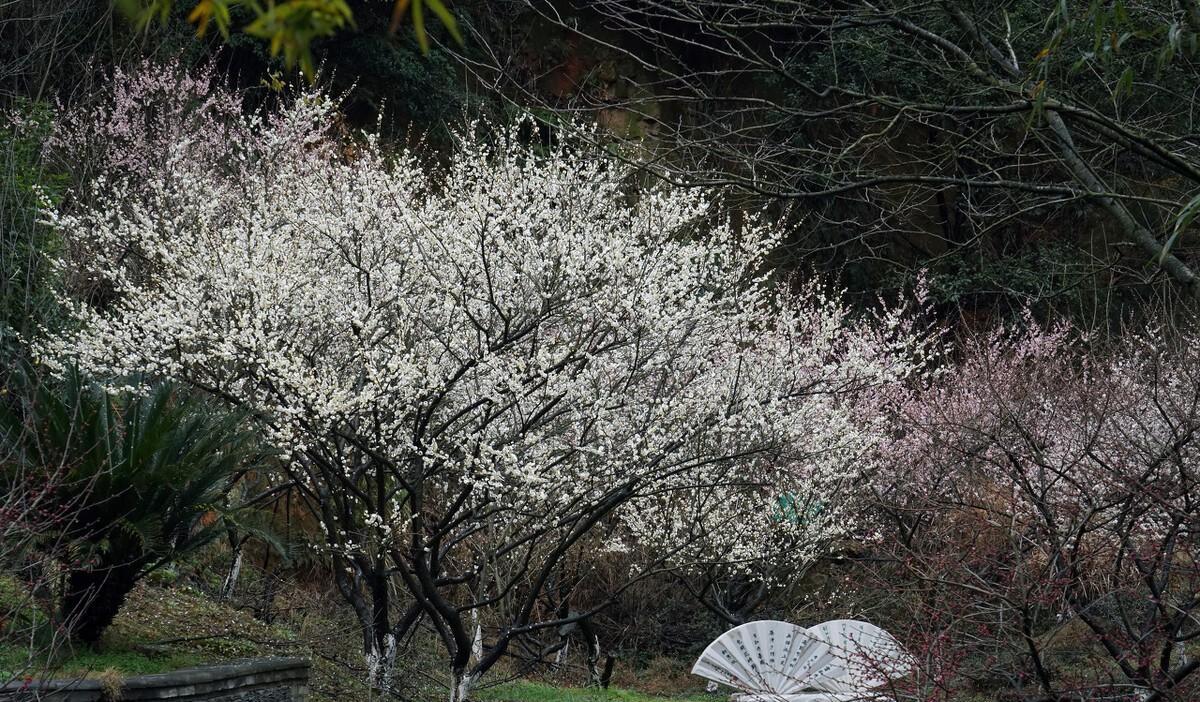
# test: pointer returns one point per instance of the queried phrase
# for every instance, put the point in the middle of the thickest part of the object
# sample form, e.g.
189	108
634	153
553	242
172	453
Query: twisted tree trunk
92	597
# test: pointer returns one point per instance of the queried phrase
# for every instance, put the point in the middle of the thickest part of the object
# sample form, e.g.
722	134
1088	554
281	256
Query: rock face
256	680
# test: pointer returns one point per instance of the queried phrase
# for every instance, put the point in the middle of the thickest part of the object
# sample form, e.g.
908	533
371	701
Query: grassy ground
167	628
158	630
164	628
528	691
94	664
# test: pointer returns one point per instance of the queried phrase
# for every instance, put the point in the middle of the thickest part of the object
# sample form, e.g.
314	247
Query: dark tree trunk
92	598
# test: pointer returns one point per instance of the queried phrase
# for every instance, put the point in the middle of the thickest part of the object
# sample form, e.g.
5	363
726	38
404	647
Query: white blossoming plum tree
476	371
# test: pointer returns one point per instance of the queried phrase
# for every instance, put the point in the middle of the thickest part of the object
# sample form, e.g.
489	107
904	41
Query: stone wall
257	680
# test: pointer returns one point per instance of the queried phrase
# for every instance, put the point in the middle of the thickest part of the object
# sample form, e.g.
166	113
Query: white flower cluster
522	326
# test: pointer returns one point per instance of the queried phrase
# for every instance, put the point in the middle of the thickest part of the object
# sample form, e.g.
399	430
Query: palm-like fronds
147	478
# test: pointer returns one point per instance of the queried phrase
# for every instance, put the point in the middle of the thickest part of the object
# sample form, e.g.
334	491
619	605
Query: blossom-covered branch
470	371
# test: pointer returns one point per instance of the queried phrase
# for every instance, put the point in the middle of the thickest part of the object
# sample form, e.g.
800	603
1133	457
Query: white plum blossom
482	362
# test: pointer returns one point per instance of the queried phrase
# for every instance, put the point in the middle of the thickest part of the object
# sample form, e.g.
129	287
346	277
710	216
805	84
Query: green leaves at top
418	17
288	26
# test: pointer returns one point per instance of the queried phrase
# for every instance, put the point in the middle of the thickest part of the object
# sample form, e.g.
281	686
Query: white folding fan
772	661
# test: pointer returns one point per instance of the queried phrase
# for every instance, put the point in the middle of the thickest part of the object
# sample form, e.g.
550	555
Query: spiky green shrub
145	479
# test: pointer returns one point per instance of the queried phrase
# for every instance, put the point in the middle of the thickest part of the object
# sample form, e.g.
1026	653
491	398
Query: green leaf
447	19
1098	34
1183	220
142	13
418	17
291	27
1124	83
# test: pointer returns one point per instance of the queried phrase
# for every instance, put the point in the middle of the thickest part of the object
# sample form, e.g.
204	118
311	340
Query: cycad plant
147	478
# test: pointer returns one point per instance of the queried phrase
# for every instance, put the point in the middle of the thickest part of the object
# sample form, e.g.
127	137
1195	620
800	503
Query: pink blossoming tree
1039	520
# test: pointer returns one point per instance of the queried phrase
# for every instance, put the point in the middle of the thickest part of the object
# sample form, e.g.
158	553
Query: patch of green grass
133	662
157	631
528	691
91	663
15	661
